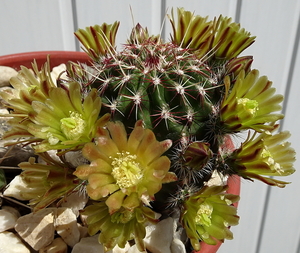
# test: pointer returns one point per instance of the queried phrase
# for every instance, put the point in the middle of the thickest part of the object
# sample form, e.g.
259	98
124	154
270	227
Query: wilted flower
119	227
250	104
207	215
264	155
47	183
125	170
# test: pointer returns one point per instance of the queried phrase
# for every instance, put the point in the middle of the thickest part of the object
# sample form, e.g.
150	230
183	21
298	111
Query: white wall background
270	217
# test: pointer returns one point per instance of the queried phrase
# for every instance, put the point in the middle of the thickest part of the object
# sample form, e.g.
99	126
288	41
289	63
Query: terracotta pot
58	57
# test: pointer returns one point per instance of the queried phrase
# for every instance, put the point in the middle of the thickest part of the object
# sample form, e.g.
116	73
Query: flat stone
5	74
82	230
58	72
15	155
177	246
117	249
16	189
8	218
57	246
10	243
76	201
66	226
134	249
160	236
89	244
37	229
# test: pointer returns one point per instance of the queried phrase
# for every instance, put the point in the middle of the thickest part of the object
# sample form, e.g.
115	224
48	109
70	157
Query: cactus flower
98	40
47	182
125	170
262	156
207	215
63	121
28	86
120	227
155	121
250	104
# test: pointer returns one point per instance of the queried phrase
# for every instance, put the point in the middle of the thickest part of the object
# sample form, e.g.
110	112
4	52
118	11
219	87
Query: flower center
268	158
248	105
126	170
203	216
73	127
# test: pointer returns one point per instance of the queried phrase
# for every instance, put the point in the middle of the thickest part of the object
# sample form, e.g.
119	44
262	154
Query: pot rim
56	58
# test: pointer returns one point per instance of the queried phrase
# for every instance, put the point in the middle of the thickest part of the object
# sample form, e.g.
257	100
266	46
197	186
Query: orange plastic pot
58	57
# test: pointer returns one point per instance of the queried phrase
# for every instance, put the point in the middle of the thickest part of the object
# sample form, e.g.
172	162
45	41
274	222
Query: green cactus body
166	86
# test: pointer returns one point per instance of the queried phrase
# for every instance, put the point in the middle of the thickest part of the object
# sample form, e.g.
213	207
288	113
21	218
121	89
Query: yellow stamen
126	170
73	127
203	216
249	105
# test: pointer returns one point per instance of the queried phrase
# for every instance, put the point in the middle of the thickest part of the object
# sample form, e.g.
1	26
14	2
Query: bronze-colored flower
125	170
229	38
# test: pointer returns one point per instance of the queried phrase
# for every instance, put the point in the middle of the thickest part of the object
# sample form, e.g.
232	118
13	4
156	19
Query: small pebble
57	246
8	218
10	243
5	74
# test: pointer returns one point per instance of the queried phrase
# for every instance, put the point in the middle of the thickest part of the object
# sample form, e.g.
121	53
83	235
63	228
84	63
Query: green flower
207	215
229	38
221	38
65	120
265	155
120	227
192	32
28	86
250	104
125	170
98	40
47	183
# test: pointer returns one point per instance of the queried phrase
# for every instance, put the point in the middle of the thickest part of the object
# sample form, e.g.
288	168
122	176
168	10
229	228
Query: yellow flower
265	155
98	40
229	38
125	170
192	31
28	86
64	121
251	103
207	215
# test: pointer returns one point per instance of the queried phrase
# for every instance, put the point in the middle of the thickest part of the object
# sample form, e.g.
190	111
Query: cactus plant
153	122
